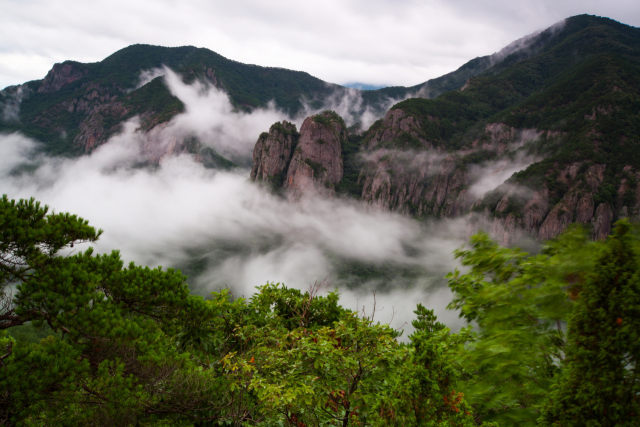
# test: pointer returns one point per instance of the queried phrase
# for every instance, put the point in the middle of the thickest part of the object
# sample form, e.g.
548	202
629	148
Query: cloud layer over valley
231	231
223	230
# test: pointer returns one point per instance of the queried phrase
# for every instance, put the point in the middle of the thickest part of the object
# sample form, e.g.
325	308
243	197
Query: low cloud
490	174
425	162
525	44
147	75
243	236
210	116
350	105
10	100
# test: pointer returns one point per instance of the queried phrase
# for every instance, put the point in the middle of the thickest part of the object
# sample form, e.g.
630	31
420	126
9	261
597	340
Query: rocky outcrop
317	163
436	183
509	226
272	153
418	183
309	161
92	129
602	222
499	132
61	75
395	124
560	217
540	220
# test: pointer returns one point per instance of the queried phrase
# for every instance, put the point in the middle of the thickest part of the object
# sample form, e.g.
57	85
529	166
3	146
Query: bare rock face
60	76
602	221
499	132
585	209
539	219
560	217
317	164
535	211
272	153
395	123
417	183
92	130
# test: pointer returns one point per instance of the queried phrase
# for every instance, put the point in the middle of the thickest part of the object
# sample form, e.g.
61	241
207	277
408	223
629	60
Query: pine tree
600	384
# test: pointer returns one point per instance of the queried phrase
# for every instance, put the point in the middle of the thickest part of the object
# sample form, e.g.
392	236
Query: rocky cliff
583	186
311	161
426	183
272	153
406	172
428	180
397	130
317	162
62	75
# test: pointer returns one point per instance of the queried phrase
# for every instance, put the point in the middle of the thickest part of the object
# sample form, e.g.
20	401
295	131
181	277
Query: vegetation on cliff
571	108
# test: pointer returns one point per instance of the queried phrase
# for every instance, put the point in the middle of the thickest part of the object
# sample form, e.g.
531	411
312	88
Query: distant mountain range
562	104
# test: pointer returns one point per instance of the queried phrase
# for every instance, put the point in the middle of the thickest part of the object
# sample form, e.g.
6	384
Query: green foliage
28	333
423	394
317	168
87	341
350	184
286	130
520	304
116	357
599	384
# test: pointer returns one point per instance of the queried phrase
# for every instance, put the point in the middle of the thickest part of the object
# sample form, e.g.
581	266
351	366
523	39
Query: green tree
600	385
423	392
307	361
520	304
114	357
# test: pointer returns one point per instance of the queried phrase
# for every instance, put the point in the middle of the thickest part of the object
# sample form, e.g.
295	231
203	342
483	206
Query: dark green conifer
600	384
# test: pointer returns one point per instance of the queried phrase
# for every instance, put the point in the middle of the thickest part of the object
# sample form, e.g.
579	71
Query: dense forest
86	340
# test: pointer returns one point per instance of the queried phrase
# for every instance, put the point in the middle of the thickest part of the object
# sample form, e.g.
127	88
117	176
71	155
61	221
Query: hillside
78	106
561	104
569	111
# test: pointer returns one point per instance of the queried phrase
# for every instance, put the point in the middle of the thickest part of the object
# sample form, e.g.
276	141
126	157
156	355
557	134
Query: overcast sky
380	42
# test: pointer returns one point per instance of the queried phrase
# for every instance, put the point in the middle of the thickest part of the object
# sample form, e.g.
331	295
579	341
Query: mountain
559	106
78	106
567	107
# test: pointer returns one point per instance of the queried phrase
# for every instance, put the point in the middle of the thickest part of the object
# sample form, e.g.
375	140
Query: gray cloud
379	42
10	100
210	116
247	236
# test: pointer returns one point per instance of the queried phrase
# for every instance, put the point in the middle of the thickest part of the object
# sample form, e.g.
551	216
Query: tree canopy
86	340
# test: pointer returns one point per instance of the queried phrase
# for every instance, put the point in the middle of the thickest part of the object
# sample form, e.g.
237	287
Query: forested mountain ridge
78	106
570	111
563	100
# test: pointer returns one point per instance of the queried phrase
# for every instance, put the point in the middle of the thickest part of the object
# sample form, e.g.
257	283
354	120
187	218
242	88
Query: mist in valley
223	230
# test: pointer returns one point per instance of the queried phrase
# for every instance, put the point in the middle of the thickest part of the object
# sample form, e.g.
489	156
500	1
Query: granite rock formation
60	76
272	153
310	161
317	163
